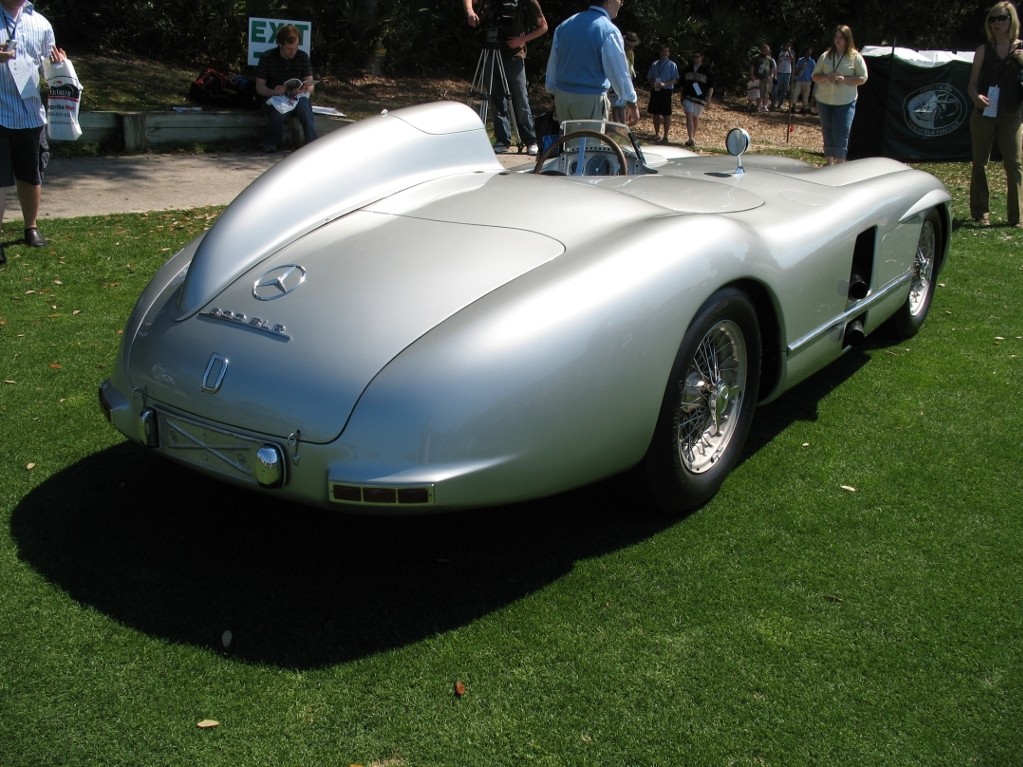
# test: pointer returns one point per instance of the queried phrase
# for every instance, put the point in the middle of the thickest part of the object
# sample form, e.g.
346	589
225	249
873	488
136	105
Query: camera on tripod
500	21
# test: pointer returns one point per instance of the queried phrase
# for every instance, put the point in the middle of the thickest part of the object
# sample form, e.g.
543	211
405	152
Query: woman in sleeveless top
995	88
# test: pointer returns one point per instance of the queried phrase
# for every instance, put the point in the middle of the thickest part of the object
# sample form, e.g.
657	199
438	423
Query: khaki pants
581	106
1007	130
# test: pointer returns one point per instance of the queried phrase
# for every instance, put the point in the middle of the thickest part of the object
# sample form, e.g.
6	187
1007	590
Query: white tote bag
63	102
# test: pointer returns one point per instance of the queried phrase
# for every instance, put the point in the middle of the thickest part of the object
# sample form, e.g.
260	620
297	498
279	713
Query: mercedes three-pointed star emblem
278	282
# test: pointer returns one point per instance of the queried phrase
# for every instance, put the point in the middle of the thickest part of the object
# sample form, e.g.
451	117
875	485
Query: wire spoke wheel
908	320
920	287
712	394
708	404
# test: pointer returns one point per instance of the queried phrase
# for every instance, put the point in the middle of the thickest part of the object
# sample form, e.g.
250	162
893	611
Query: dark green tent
914	105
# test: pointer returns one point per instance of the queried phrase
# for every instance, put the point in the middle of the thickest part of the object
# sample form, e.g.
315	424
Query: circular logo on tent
935	110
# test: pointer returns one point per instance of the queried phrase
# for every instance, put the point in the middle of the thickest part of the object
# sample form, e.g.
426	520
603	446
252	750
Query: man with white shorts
697	92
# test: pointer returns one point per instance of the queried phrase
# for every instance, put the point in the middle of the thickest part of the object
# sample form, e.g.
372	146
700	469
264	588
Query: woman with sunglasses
995	87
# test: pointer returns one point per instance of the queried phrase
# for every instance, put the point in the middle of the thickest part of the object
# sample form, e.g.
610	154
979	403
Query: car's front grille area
214	450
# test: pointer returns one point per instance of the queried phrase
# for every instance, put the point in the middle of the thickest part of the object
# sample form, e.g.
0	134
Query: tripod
482	88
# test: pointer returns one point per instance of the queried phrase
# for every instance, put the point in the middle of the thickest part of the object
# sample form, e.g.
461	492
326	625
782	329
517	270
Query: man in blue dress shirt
587	58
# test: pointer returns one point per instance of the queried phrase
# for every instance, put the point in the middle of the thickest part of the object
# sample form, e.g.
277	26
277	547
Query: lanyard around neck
10	24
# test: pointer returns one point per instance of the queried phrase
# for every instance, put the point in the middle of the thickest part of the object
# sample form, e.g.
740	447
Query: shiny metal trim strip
857	308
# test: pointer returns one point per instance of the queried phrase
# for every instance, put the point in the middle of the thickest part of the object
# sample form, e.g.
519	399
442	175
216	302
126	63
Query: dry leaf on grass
207	724
459	688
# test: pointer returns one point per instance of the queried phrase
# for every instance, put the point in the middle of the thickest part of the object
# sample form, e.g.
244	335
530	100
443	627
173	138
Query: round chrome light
270	466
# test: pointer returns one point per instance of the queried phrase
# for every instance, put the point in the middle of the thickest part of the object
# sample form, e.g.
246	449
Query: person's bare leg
3	207
29	195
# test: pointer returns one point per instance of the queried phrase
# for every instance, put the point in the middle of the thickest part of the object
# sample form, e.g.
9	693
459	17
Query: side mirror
737	143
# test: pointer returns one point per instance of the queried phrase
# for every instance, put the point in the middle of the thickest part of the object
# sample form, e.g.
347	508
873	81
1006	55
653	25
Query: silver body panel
482	335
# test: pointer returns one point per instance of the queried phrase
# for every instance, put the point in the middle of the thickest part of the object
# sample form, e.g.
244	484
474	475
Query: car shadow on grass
185	558
801	402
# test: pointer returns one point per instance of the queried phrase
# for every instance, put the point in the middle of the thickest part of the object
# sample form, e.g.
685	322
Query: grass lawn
851	597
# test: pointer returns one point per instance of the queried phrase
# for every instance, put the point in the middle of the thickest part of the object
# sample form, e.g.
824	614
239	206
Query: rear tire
906	322
708	404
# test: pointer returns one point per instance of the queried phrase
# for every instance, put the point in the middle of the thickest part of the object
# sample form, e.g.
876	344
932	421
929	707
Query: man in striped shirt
26	41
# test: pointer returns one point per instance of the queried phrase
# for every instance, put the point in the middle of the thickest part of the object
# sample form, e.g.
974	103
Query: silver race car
389	320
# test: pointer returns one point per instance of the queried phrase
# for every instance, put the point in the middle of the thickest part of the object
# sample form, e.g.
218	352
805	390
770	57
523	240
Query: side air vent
862	271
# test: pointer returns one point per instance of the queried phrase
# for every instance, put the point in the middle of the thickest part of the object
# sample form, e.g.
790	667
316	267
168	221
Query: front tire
906	322
708	404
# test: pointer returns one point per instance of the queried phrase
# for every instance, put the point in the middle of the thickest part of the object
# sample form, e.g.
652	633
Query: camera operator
509	25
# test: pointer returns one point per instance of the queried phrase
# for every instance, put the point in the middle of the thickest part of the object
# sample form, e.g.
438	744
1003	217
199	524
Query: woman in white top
839	72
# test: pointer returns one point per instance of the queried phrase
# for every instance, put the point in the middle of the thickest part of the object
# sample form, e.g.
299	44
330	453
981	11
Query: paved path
98	186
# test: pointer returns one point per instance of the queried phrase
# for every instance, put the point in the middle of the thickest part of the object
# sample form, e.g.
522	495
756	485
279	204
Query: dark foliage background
419	37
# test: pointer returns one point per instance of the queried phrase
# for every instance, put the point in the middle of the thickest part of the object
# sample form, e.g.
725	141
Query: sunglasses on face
992	19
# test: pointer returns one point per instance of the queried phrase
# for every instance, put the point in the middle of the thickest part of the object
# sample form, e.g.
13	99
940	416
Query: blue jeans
781	88
515	71
274	132
836	124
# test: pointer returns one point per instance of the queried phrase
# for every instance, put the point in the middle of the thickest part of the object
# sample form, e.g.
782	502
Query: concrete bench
139	131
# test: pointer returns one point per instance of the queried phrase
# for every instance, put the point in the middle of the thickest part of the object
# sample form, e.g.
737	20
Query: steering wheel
562	140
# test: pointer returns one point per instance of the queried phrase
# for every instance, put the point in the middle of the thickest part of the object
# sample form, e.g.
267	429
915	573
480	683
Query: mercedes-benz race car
389	320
